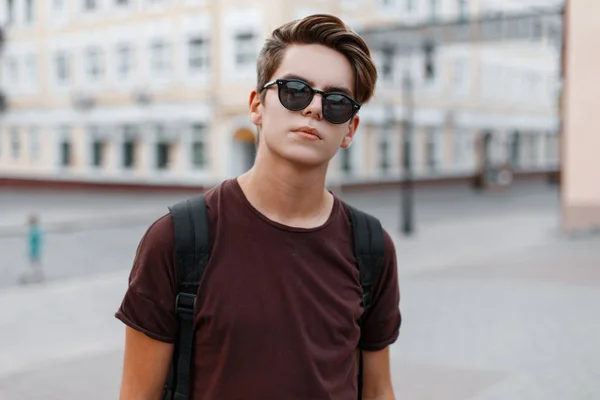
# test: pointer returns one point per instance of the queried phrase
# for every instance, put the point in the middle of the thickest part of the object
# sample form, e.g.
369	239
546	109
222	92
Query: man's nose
315	107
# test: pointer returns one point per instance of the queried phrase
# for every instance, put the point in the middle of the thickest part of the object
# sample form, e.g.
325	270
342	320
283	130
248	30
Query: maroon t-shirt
276	316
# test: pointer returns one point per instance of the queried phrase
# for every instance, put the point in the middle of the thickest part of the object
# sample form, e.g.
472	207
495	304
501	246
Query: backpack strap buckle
185	304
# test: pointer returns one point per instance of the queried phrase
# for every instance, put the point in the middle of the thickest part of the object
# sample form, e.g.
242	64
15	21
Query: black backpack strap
192	251
369	250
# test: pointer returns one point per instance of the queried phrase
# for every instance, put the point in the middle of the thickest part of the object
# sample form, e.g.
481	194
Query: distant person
299	299
35	239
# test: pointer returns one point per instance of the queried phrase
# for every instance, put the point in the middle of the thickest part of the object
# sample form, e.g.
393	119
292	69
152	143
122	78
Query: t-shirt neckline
264	218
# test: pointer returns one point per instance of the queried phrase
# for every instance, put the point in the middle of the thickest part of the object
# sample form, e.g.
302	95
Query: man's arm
145	367
380	329
377	380
148	311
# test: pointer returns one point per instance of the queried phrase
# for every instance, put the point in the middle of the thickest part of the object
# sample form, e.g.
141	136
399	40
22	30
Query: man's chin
305	159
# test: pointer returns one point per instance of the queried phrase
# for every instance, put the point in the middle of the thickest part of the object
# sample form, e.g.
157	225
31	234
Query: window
459	149
534	153
387	63
162	148
61	65
434	147
515	149
536	29
98	147
198	146
162	155
463	10
129	153
15	142
245	49
65	153
65	148
58	4
10	17
34	143
96	150
129	146
433	10
90	5
410	5
124	60
94	67
159	61
121	2
429	72
384	152
29	11
198	54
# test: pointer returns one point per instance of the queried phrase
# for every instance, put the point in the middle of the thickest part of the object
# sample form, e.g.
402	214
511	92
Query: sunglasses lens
295	95
337	108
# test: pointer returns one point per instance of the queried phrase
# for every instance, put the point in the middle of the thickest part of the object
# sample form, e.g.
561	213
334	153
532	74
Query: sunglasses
296	95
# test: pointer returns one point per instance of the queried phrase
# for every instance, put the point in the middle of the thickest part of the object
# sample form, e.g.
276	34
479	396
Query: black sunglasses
296	95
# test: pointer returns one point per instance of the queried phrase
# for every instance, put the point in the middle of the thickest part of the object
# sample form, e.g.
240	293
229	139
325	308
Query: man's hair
326	30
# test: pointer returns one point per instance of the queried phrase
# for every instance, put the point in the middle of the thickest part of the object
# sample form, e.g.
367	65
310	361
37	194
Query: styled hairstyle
327	30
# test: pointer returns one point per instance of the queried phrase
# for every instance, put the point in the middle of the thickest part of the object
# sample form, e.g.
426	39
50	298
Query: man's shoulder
160	232
212	194
387	237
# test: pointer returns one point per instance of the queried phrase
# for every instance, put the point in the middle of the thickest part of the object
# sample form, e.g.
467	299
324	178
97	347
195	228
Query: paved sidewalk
60	339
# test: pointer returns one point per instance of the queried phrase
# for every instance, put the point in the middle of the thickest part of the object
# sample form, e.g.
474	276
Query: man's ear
352	127
255	106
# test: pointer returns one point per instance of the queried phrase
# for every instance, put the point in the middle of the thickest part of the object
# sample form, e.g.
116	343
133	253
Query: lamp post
407	217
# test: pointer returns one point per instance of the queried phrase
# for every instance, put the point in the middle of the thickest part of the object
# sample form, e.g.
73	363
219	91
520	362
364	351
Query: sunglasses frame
324	95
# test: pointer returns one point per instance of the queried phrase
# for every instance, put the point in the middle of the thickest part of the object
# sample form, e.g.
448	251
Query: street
497	303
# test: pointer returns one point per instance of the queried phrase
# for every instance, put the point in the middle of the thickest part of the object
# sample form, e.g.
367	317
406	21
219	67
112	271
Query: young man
277	309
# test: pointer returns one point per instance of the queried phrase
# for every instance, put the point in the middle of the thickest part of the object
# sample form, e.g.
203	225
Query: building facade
580	183
155	92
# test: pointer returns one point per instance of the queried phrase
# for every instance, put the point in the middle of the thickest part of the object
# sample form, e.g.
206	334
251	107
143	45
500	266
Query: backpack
192	251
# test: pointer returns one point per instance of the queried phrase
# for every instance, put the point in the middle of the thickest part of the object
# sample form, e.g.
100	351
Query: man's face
288	133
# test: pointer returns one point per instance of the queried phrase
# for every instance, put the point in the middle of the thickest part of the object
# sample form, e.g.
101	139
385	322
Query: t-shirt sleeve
381	324
149	302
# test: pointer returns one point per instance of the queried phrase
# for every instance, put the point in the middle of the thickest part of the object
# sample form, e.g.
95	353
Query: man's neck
286	193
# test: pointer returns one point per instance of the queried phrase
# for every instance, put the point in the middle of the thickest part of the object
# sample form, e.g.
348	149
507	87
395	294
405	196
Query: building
155	92
580	183
475	102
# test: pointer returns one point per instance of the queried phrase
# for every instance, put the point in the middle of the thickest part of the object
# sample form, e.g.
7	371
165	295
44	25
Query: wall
581	141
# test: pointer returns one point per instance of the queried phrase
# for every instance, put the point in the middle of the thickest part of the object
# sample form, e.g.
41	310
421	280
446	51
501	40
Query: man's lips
308	132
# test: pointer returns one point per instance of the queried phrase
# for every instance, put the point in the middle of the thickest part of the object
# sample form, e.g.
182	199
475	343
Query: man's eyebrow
326	89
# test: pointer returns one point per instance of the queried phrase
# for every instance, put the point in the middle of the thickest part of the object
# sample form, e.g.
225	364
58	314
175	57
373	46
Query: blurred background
478	153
